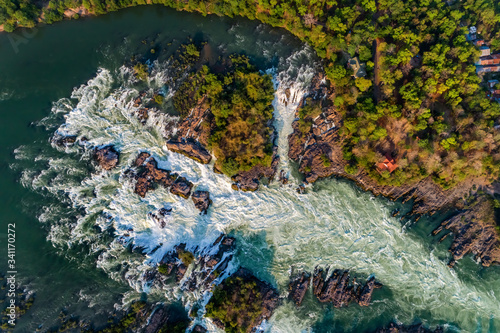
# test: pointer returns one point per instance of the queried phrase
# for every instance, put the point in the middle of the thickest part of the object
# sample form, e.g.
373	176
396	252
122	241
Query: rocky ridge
475	231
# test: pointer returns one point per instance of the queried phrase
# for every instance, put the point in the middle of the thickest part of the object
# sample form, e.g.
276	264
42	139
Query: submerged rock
190	149
298	287
201	200
64	141
149	175
106	157
161	216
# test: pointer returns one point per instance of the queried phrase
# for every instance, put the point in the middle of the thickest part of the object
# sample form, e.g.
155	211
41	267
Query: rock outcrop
338	290
417	328
190	149
298	288
150	175
475	232
201	200
181	187
161	216
199	329
107	157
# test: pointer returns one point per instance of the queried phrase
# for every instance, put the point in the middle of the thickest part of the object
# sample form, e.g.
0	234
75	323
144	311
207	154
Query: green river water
61	257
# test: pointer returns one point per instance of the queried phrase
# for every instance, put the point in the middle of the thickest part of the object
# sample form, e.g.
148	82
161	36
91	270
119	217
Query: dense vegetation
421	101
237	303
240	104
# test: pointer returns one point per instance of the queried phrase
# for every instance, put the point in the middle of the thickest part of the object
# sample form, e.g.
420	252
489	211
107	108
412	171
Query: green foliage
326	161
237	303
427	87
186	257
159	99
163	269
141	71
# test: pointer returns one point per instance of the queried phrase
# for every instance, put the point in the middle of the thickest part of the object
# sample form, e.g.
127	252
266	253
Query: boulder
181	187
201	200
106	157
199	329
298	287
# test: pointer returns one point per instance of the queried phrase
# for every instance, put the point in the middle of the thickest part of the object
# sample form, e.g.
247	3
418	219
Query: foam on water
335	225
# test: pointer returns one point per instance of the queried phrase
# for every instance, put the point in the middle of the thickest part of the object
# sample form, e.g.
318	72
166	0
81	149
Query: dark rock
201	200
199	329
157	320
301	189
143	115
474	232
298	287
64	141
141	159
250	180
190	149
150	174
160	216
338	290
181	187
106	157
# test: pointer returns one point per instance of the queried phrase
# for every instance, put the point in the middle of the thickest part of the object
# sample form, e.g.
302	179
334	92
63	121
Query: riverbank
319	152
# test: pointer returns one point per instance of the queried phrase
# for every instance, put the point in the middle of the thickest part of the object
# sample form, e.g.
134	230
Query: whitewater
278	231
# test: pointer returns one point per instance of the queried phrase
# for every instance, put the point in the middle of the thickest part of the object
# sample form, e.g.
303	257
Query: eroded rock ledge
335	288
475	232
190	149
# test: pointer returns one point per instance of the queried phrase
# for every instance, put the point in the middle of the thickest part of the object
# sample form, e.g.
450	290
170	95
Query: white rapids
334	224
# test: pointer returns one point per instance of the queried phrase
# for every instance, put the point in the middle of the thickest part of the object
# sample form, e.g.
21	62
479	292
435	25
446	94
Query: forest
421	101
240	113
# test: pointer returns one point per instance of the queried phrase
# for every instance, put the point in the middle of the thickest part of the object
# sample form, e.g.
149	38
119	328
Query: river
69	78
